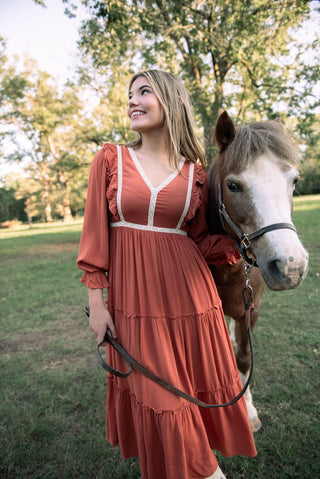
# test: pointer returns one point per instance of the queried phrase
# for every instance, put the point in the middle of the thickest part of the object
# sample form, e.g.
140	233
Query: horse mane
252	141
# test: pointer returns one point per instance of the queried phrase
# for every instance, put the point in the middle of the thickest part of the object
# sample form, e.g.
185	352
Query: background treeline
258	59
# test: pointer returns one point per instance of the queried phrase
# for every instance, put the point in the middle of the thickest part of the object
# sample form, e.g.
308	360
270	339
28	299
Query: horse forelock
252	141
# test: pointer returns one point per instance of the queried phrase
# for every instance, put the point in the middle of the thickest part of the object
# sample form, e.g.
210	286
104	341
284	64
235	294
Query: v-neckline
145	178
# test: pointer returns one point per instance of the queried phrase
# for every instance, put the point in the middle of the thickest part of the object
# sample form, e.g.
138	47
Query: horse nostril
277	269
284	271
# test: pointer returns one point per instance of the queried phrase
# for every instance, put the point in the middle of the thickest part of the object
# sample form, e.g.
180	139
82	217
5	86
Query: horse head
256	173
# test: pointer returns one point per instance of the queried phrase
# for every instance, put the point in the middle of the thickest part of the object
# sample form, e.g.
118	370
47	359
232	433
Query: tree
11	208
27	194
310	167
50	122
234	54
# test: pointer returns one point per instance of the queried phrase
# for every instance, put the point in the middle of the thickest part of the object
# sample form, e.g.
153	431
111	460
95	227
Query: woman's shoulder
109	151
200	174
106	156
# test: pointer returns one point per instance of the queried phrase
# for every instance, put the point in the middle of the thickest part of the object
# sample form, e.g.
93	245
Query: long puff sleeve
93	256
216	249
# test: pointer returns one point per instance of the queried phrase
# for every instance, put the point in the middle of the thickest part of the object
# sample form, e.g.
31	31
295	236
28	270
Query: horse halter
244	240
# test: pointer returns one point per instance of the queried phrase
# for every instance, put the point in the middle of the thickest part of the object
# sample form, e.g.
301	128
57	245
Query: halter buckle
245	242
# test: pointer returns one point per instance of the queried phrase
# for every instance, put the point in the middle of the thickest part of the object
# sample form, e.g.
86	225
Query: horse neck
213	217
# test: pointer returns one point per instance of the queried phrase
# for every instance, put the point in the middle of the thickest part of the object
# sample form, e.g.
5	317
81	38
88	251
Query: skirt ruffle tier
169	317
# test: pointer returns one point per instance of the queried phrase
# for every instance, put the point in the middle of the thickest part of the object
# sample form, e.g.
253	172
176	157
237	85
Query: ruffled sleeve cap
199	179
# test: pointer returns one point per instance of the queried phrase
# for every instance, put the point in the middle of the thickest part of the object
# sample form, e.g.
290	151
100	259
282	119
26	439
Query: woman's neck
153	146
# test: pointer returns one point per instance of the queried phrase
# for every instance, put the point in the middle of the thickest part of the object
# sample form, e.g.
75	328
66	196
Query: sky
45	34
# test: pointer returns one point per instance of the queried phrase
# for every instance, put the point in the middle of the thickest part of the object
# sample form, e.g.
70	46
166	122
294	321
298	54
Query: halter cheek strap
244	240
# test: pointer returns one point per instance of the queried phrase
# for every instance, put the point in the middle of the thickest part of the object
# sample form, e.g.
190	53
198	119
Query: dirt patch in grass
53	248
41	338
37	252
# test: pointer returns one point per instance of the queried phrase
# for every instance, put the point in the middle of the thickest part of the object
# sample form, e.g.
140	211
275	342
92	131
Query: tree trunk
209	123
28	213
48	212
211	150
47	202
67	215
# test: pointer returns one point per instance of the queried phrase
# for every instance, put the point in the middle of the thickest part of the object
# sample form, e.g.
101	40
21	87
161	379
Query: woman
145	226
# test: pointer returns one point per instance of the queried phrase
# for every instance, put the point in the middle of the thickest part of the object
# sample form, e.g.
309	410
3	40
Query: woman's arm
93	256
100	318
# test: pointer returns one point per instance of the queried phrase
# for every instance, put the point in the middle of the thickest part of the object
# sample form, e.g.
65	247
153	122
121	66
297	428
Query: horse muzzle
285	272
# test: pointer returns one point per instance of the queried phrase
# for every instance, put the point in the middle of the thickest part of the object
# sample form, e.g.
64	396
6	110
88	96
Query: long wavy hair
179	127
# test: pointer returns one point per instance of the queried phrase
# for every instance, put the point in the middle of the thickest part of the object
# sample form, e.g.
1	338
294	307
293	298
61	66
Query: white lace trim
152	207
146	179
156	229
188	198
153	199
154	190
119	192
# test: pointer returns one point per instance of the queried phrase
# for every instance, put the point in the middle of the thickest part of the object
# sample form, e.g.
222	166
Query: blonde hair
180	134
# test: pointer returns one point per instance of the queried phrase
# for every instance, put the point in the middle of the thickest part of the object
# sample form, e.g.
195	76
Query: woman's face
144	109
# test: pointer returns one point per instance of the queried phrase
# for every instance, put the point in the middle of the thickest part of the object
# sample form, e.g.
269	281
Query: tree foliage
11	208
46	125
240	55
258	59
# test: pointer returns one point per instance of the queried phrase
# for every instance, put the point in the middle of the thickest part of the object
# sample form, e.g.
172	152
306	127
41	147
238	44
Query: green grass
52	396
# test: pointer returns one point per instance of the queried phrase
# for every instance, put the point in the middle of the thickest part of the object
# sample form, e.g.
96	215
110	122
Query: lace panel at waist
157	229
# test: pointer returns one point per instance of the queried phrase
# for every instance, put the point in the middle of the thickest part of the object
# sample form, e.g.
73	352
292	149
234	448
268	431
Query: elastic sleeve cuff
96	280
235	257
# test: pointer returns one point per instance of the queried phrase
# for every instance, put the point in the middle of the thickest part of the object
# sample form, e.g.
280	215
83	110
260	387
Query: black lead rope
132	363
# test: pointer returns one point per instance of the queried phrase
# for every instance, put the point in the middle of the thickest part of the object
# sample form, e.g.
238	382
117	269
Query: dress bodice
144	206
120	195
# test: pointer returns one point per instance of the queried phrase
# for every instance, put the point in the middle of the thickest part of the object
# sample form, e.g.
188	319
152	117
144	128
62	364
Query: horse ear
225	131
278	120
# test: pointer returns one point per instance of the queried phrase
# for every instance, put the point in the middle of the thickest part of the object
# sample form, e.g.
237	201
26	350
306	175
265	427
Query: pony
250	198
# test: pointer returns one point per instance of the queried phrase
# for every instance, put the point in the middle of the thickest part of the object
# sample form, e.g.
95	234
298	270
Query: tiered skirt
169	317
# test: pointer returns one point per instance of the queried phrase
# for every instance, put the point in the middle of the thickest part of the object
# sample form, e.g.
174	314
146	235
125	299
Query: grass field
52	396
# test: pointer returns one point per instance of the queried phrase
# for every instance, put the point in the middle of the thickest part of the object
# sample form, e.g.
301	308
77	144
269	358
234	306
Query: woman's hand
100	319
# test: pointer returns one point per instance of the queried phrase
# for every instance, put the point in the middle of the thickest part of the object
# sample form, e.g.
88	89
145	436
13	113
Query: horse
250	198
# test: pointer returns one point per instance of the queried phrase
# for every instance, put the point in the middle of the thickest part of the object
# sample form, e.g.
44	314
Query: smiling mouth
135	114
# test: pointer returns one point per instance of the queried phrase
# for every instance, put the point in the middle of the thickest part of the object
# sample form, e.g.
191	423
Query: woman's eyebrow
141	88
145	86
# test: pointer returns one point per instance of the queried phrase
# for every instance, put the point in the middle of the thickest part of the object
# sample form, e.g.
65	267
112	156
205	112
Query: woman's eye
233	187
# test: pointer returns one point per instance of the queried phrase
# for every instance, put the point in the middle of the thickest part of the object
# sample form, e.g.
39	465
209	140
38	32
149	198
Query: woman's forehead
139	82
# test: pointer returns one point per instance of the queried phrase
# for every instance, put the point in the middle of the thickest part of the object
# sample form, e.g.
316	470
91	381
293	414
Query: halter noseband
245	240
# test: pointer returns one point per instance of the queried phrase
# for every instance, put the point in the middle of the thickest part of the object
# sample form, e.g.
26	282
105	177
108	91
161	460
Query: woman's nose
132	100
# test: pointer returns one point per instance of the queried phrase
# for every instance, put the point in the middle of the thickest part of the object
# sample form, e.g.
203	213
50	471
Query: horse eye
233	187
295	181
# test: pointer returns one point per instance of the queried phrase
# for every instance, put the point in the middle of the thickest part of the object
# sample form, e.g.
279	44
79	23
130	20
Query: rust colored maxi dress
154	244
